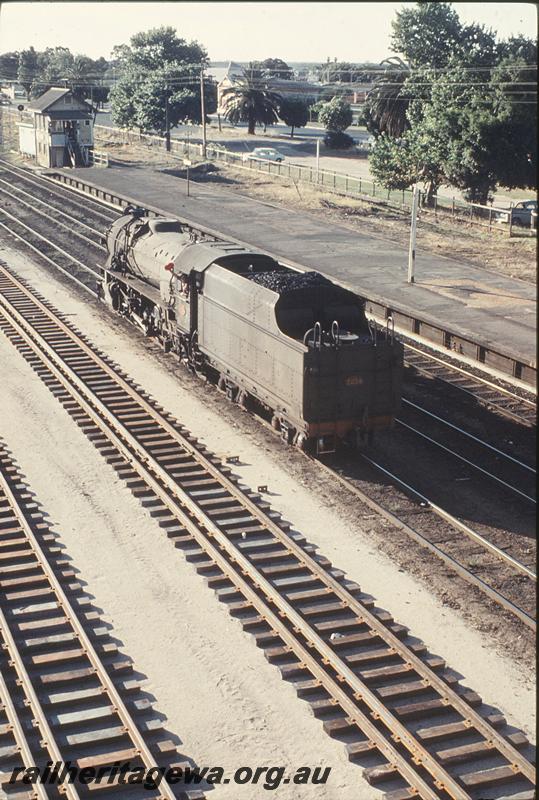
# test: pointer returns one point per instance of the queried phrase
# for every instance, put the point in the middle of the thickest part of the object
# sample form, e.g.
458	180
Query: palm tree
386	104
247	101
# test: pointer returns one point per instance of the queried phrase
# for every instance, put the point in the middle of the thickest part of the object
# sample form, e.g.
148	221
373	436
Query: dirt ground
515	256
218	692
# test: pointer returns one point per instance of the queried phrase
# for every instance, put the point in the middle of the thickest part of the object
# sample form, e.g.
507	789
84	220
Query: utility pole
167	121
203	112
413	230
317	159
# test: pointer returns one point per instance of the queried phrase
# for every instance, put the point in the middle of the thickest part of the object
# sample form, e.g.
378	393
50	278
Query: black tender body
291	343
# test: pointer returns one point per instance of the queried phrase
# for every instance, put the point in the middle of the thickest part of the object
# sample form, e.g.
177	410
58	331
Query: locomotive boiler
290	344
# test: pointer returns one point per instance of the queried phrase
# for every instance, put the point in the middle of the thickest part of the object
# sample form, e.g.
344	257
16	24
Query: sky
295	32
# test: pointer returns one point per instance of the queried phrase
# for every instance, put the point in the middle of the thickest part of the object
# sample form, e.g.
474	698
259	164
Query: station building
57	130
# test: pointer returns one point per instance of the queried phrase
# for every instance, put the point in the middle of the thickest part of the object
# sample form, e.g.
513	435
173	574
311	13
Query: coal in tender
281	281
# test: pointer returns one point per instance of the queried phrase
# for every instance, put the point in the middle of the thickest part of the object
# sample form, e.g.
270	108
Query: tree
338	72
386	104
412	158
336	115
514	147
244	102
518	48
431	34
158	71
427	34
294	111
463	112
275	68
27	69
153	49
9	66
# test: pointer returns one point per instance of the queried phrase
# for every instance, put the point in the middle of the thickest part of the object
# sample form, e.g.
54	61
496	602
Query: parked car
522	213
264	154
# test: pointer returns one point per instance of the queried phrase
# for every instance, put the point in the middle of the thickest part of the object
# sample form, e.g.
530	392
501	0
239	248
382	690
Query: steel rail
469	435
51	219
89	650
477	537
466	461
48	740
56	210
154	469
74	260
470	375
455	565
44	182
16	727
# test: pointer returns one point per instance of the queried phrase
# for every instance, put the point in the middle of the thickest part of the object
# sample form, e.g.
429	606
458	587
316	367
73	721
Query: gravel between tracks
228	705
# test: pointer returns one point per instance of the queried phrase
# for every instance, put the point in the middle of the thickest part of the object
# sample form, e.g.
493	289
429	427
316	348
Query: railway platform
492	310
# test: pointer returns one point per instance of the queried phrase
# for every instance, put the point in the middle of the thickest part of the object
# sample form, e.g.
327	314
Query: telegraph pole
413	230
203	112
167	121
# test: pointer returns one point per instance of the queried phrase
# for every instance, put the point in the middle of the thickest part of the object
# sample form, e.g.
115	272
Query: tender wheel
242	398
275	422
301	442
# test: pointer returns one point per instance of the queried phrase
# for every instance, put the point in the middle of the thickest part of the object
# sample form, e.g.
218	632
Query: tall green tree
336	115
27	69
431	34
246	102
294	111
159	71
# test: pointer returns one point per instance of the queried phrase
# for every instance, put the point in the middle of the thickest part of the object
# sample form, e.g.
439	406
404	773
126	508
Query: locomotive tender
292	344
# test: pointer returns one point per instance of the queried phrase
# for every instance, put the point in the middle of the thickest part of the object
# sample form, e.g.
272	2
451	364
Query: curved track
376	688
66	693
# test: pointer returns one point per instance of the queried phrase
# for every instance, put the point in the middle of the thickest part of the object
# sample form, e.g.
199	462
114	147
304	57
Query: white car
264	154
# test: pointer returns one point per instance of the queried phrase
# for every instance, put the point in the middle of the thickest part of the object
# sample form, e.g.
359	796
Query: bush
337	140
336	115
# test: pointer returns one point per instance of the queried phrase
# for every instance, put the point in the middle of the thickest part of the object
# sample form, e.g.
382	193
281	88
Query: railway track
479	559
501	468
393	704
516	404
66	694
503	576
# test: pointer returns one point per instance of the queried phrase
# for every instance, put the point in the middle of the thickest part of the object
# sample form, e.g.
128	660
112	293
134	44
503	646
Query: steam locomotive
289	344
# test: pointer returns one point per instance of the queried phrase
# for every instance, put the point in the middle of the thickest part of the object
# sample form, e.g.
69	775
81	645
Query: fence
472	214
98	158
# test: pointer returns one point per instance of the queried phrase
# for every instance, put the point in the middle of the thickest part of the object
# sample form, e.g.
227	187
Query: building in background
57	130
